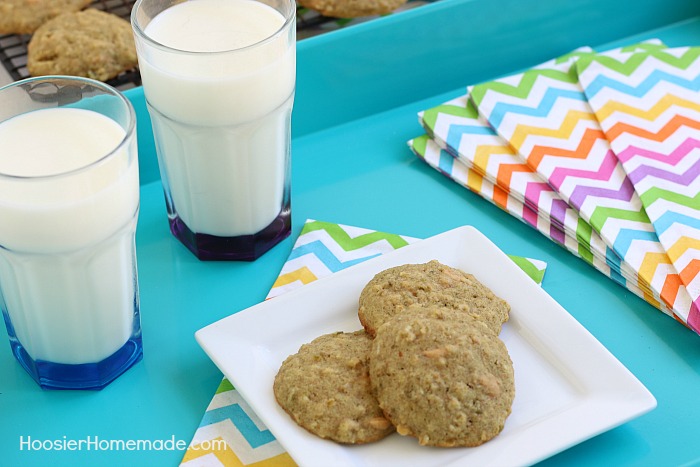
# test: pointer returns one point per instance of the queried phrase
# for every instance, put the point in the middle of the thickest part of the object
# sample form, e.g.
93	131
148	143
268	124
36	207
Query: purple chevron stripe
558	212
624	193
604	172
684	179
557	234
679	153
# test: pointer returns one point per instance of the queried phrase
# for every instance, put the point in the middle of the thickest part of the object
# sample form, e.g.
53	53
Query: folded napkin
544	115
321	249
648	105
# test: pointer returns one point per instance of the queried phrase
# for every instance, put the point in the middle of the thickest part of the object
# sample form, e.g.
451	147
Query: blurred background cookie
89	43
25	16
352	8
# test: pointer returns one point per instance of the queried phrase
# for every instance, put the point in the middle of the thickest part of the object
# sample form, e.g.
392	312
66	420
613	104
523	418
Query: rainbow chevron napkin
544	115
321	249
648	105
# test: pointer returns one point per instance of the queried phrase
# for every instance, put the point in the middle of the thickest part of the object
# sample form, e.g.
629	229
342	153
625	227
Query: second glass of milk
219	80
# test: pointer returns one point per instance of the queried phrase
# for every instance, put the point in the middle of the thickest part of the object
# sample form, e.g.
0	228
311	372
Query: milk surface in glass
221	113
67	263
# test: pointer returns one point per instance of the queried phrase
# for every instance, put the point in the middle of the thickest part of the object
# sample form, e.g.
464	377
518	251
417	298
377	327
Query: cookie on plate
89	43
325	388
393	290
441	376
25	16
352	8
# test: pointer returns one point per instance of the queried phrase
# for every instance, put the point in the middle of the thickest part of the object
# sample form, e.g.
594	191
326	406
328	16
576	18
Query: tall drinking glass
69	201
219	80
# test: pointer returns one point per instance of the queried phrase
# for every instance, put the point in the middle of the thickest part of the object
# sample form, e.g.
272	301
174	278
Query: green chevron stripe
583	236
654	194
349	244
602	214
636	60
643	46
225	386
430	116
530	269
522	89
419	144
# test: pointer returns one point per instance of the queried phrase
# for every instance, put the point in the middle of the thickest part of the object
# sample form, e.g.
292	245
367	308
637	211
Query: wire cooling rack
13	47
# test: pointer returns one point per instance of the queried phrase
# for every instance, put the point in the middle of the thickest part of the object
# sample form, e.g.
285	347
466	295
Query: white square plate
568	386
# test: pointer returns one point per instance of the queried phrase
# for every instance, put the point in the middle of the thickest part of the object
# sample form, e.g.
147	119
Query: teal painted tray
358	92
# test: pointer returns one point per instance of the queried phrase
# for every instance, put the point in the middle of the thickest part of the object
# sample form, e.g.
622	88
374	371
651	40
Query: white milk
221	119
67	263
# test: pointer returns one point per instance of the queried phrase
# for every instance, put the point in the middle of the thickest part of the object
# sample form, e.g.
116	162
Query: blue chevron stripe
456	132
542	110
669	218
321	251
626	236
242	421
601	82
446	162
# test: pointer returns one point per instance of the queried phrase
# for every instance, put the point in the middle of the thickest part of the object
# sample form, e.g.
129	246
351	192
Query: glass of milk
219	80
69	202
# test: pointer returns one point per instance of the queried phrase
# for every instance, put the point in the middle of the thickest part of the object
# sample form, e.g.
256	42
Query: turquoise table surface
358	91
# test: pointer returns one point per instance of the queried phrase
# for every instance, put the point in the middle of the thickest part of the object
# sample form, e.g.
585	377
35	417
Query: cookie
89	43
393	290
352	8
325	388
25	16
441	376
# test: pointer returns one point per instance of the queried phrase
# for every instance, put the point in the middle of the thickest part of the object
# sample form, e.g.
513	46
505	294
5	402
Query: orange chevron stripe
668	129
649	265
690	272
522	132
229	458
671	287
590	137
500	196
652	114
506	171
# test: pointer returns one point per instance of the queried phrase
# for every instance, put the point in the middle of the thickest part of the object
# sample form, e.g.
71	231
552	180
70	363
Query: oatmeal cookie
25	16
325	388
352	8
393	290
89	43
442	377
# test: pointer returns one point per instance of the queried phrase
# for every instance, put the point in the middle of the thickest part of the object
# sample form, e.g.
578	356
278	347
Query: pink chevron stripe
534	190
694	316
672	158
604	172
684	179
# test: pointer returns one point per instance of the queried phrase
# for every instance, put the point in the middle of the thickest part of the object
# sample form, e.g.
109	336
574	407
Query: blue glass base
84	376
241	248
